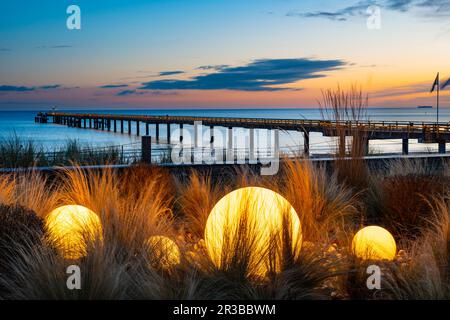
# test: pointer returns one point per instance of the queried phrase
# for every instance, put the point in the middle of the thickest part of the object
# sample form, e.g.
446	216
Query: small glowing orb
163	252
255	220
374	243
71	228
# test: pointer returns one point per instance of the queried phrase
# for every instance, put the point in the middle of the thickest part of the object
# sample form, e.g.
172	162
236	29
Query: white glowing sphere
374	243
163	252
71	228
258	217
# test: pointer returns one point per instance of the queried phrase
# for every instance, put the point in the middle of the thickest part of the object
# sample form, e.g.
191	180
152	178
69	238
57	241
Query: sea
52	136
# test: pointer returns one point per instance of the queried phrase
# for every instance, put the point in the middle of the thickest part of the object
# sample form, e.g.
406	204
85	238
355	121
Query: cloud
113	86
399	5
415	88
402	90
343	14
8	88
51	86
153	93
436	8
170	73
259	75
127	93
163	93
54	47
213	67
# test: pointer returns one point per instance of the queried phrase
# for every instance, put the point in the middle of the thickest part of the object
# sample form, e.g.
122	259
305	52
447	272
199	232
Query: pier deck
425	132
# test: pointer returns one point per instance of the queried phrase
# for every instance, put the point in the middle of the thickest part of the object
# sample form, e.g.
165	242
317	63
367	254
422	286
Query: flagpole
437	111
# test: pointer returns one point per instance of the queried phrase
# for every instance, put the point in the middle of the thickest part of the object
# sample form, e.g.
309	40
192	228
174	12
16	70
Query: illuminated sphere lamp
71	228
163	252
265	213
374	243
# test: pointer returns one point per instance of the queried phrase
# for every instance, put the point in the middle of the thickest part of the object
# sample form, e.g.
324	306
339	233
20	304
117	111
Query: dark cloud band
436	8
259	75
8	88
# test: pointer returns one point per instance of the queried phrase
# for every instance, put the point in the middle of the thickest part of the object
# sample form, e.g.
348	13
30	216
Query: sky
161	54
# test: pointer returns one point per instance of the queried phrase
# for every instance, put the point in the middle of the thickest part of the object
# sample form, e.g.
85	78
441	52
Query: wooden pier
425	132
41	117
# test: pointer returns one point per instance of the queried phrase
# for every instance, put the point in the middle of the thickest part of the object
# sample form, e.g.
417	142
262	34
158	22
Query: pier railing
424	132
407	126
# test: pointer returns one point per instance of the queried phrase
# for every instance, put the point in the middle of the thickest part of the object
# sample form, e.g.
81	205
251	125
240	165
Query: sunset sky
220	53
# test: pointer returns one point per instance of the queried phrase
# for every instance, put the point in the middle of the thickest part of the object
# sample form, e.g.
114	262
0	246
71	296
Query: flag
436	83
447	83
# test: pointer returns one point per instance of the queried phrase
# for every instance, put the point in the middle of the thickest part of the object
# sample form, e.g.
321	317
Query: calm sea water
50	136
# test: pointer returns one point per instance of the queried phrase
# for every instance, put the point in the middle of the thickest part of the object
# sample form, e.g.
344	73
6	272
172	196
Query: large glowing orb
374	243
71	228
255	223
163	252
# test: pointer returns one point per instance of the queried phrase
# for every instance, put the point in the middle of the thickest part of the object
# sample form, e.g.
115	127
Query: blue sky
214	53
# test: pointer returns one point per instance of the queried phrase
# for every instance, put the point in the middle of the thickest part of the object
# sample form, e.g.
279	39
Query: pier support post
90	123
306	143
146	149
103	124
115	125
84	122
181	133
341	144
157	132
251	156
147	130
405	146
121	126
269	142
442	147
276	144
366	146
138	127
211	137
129	126
197	134
168	133
230	151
